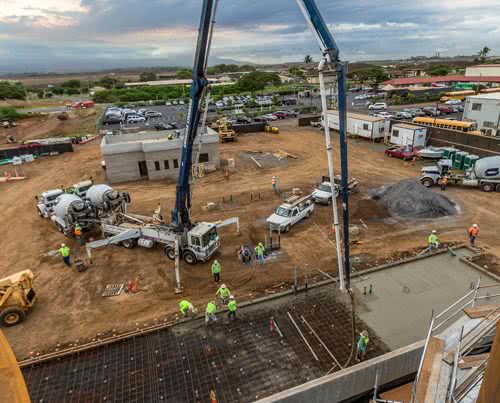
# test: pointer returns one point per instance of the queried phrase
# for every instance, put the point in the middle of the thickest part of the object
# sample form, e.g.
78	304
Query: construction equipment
272	129
71	209
226	132
46	201
485	174
291	212
16	297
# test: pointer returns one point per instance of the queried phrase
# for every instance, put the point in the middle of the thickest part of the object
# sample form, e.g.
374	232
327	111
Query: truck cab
323	194
80	189
202	243
290	213
45	202
430	175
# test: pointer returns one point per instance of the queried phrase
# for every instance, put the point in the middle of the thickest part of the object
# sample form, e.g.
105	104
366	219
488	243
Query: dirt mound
410	198
368	209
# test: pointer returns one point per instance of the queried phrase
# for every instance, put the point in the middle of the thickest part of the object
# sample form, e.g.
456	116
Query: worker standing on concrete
362	345
78	234
65	253
231	308
186	308
259	253
210	313
433	241
223	293
216	271
444	182
473	233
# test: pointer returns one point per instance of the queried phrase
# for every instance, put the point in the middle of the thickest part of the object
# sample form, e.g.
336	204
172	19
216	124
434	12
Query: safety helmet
475	225
434	231
63	245
260	244
223	286
215	261
364	333
231	297
274	177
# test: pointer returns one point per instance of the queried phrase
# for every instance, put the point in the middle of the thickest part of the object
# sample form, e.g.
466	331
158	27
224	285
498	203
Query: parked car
453	102
181	102
280	114
378	106
431	111
136	119
293	114
444	110
153	114
168	103
385	115
163	126
457	108
112	119
174	102
403	152
142	112
243	120
270	116
361	96
402	115
175	125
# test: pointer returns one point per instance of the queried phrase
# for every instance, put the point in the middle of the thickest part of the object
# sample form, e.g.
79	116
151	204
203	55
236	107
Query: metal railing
433	329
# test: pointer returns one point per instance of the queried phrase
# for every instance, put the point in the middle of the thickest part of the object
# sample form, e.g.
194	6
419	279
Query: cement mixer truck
485	174
104	198
71	209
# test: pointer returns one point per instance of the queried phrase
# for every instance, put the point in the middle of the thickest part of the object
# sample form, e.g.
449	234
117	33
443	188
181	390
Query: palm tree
484	52
308	59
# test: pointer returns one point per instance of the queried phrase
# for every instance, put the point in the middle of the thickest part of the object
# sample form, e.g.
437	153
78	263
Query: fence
481	145
306	120
36	150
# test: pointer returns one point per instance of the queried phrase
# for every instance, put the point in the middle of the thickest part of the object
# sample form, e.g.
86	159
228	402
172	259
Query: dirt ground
70	308
78	123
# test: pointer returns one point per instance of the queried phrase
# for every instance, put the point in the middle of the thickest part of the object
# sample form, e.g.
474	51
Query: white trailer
370	127
404	134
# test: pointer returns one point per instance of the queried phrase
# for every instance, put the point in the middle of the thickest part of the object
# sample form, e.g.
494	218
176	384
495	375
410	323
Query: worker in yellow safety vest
223	293
65	252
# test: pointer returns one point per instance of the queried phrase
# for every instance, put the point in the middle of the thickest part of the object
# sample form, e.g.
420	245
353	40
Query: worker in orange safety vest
473	233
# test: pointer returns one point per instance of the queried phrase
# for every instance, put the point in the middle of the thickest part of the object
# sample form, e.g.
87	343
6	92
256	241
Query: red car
403	152
444	110
280	115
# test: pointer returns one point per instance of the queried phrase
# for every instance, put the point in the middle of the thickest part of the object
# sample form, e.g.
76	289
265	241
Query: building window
395	133
203	157
488	124
176	163
476	107
157	165
165	164
365	126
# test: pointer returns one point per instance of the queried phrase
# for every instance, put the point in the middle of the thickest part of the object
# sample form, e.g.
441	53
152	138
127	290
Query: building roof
407	126
360	116
484	65
491	95
442	79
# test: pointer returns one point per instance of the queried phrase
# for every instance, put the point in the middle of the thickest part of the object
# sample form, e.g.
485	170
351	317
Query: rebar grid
241	361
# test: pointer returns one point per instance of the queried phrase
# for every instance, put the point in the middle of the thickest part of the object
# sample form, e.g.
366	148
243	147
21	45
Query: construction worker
78	234
216	271
186	308
433	241
473	232
244	254
362	344
274	183
65	251
259	252
210	313
231	308
444	182
223	293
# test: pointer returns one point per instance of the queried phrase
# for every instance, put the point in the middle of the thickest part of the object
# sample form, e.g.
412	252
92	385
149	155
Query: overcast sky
58	35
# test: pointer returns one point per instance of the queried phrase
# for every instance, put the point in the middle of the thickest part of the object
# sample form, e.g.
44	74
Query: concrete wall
481	145
123	167
481	70
356	380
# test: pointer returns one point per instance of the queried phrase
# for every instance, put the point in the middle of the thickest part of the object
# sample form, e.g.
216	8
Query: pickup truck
290	213
323	193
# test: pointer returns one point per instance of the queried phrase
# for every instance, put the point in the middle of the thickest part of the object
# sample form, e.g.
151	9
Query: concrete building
483	70
370	127
484	109
151	155
404	134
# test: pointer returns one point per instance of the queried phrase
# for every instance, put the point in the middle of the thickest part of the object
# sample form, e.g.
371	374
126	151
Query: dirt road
71	309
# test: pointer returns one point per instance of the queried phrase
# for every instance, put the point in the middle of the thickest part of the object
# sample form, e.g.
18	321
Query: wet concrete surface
403	297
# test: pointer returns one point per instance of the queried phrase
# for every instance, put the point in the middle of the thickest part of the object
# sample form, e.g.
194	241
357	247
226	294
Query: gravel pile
410	198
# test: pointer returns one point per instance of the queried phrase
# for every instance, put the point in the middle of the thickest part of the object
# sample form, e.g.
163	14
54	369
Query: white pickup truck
290	213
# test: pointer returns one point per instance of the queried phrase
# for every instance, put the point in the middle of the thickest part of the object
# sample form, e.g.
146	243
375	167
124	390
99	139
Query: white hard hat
434	231
215	261
62	245
223	286
475	225
274	176
231	297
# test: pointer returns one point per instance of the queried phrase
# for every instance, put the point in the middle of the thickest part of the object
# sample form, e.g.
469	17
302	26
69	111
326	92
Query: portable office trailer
404	134
370	127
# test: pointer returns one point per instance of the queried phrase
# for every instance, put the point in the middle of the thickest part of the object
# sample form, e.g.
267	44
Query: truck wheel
487	187
128	243
308	214
11	316
189	257
498	188
427	182
287	228
329	201
170	252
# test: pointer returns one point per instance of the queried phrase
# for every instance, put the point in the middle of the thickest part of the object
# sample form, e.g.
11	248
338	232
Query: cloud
71	34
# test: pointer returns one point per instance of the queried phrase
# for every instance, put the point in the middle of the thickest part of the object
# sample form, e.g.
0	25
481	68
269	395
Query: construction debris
113	290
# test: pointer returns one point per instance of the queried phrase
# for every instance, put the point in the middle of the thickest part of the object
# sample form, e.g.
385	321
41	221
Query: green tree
10	90
10	113
308	60
257	81
276	100
72	84
296	72
147	76
107	82
58	90
483	53
441	70
40	94
184	74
